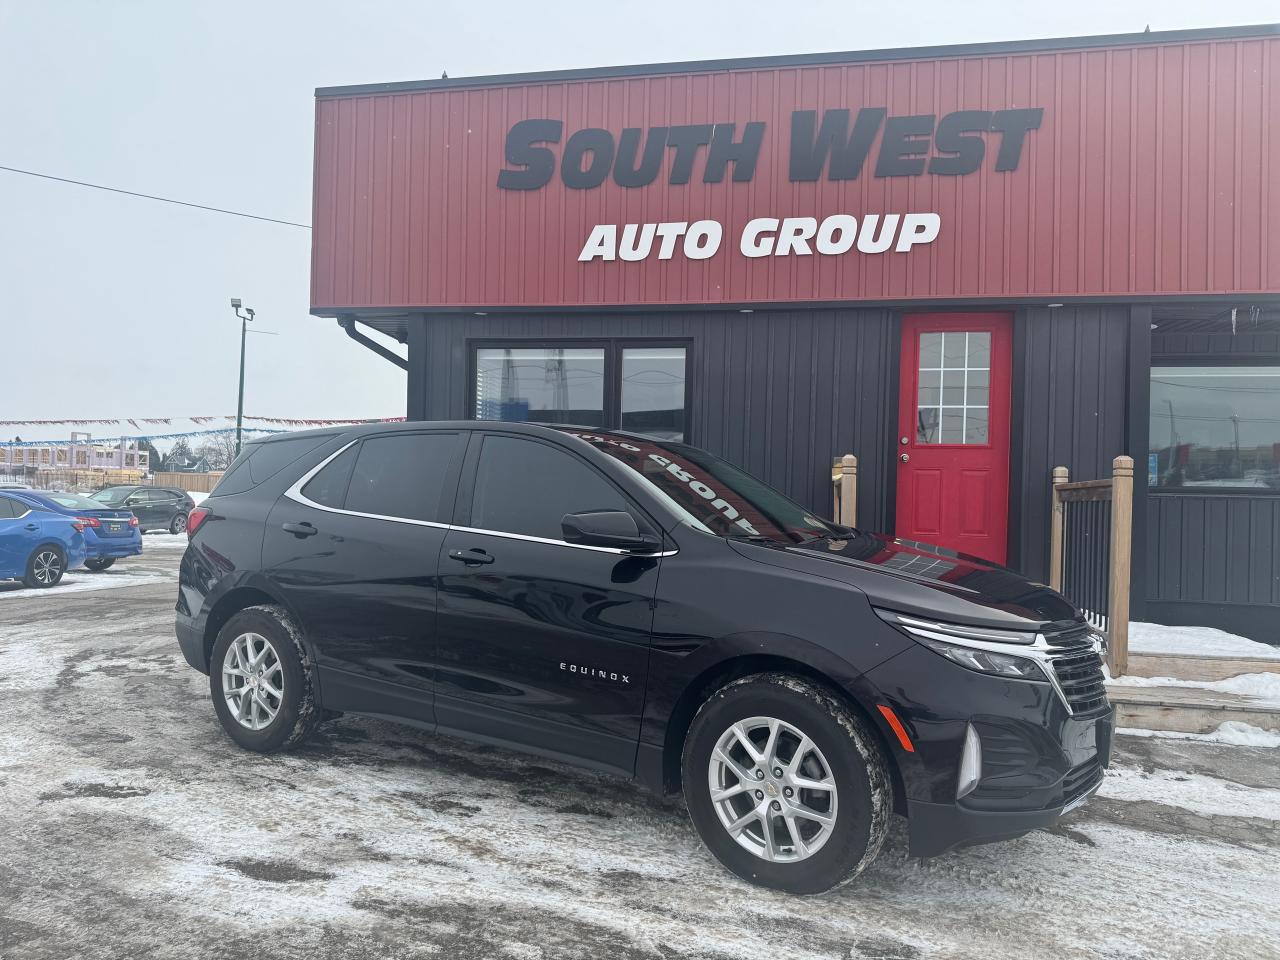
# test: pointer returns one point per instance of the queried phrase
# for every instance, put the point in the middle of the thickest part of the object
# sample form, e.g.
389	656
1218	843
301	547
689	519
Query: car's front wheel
260	676
99	563
45	567
785	784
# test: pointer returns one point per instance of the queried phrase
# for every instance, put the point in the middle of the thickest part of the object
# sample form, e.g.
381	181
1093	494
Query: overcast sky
120	305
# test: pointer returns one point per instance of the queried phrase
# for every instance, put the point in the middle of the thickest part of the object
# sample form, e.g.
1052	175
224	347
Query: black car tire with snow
299	712
99	563
857	763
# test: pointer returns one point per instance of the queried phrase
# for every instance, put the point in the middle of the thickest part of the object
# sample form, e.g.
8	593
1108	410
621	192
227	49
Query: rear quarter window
263	460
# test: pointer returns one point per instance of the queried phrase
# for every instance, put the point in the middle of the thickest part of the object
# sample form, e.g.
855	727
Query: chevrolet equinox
644	608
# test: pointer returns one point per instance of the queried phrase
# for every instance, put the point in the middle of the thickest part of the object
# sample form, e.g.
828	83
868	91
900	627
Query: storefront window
548	384
617	384
653	391
1215	427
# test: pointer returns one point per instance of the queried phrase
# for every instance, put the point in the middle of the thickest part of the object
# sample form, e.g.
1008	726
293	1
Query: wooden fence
191	482
1091	551
844	490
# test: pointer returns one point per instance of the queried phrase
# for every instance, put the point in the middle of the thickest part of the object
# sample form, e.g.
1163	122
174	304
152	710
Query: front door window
953	401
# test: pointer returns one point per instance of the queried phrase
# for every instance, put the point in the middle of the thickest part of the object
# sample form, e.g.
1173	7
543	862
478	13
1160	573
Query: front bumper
1038	760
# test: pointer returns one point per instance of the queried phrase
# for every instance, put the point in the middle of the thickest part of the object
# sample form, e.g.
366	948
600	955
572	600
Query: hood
923	579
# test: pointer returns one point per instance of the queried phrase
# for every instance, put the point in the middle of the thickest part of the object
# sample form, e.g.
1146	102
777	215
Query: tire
842	753
178	524
99	563
45	567
296	708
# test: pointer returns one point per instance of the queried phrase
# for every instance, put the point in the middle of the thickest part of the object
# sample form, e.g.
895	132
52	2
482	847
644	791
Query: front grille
1078	668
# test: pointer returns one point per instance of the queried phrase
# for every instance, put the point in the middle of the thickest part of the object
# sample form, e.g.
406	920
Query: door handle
906	458
299	530
33	526
472	558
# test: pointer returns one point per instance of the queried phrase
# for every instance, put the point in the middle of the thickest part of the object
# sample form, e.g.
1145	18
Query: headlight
976	648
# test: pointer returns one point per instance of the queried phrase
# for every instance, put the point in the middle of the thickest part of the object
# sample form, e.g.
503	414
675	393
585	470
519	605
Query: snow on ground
130	825
1158	638
1260	686
1190	791
1232	731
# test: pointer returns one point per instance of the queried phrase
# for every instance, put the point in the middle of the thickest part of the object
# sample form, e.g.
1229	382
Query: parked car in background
13	485
643	607
37	545
157	508
108	534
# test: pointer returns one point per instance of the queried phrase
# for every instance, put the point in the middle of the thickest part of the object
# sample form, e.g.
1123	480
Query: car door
164	504
139	504
541	642
353	547
19	531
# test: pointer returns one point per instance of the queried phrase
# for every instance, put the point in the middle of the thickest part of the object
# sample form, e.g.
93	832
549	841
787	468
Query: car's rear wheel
99	563
785	784
260	676
178	524
45	567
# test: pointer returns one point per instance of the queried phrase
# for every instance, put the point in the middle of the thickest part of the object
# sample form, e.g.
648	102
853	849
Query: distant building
82	453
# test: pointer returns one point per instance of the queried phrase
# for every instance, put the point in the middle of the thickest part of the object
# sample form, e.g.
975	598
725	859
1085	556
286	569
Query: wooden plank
1188	666
1121	558
1057	529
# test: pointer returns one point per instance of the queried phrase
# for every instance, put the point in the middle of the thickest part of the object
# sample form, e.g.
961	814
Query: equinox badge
593	672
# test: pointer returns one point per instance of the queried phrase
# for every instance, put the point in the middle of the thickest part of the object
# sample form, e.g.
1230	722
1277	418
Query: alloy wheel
252	681
47	567
179	523
772	789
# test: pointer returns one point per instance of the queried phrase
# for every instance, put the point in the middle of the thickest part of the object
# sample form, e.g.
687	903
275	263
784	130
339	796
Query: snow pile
1259	686
1206	641
1233	732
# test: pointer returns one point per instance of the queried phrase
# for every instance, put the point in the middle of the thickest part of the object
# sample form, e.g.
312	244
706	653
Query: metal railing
844	490
1090	551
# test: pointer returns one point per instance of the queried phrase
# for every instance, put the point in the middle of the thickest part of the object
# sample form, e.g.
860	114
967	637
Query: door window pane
653	382
546	384
953	400
1215	427
329	487
403	476
526	487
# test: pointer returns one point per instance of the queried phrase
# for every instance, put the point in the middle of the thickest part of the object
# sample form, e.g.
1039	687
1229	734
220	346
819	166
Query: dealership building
965	265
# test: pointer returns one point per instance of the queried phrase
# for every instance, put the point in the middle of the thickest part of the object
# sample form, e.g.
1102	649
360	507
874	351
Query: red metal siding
1152	173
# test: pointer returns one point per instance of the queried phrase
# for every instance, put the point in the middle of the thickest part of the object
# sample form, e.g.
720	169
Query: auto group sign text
839	146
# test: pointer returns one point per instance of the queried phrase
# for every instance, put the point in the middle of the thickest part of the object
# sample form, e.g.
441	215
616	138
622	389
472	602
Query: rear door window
404	475
8	508
526	487
329	487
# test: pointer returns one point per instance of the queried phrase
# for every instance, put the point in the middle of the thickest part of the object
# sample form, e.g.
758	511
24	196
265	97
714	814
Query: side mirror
606	528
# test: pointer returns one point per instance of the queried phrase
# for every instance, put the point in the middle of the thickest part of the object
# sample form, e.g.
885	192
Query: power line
148	196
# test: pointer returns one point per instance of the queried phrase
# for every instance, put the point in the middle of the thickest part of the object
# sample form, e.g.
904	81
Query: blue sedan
108	534
37	546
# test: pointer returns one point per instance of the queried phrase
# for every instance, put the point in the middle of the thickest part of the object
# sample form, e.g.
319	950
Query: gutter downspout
349	324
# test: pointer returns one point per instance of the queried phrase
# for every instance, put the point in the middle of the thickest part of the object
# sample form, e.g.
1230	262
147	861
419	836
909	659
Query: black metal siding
1070	383
778	392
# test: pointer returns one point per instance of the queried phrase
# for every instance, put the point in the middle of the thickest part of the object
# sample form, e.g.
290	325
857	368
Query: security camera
235	303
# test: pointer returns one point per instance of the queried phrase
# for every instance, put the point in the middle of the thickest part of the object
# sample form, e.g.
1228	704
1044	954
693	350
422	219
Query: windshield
712	493
72	501
112	494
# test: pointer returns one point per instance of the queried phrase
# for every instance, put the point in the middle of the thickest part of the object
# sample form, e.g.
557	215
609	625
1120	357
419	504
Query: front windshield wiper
751	538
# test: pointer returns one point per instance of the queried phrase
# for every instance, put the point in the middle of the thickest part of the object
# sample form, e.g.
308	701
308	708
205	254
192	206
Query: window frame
612	347
1203	360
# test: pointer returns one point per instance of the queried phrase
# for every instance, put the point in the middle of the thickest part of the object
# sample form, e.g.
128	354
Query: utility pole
244	330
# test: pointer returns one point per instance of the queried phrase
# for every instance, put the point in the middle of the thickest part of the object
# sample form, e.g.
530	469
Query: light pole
244	329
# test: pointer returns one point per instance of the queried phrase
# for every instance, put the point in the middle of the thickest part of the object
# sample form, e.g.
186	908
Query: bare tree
219	450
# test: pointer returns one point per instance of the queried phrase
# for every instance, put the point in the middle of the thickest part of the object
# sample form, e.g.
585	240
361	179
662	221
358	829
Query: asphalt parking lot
131	826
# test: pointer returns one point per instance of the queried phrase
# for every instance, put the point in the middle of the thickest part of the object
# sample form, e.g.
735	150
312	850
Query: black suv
157	508
645	608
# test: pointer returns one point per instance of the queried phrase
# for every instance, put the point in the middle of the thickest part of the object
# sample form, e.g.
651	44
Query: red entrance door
953	432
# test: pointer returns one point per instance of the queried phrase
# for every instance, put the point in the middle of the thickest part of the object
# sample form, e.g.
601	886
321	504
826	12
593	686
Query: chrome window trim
295	494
